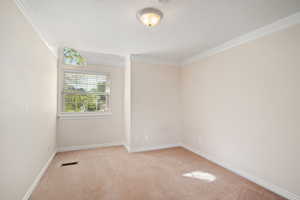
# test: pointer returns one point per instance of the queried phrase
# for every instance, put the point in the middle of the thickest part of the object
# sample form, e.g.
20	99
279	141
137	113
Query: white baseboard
91	146
152	148
38	178
127	147
274	188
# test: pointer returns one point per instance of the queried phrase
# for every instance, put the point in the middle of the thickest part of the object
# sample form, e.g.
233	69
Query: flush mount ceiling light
150	16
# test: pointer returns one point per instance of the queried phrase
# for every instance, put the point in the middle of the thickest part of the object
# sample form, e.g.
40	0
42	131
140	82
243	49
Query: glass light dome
150	16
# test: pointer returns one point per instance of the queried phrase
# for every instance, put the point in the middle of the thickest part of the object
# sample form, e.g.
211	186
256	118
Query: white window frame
86	69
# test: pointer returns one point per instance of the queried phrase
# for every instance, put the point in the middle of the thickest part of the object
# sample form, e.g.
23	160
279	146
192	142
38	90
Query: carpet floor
171	174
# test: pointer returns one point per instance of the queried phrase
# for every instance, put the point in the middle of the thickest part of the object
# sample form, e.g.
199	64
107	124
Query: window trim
79	115
68	115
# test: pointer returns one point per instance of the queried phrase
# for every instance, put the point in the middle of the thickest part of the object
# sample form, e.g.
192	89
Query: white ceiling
189	27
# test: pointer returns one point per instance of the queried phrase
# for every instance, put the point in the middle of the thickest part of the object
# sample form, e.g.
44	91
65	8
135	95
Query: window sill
83	115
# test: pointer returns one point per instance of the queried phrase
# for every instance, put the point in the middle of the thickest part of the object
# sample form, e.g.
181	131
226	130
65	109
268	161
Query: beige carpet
113	174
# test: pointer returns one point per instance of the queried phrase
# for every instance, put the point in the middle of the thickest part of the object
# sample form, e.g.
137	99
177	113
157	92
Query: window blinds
85	92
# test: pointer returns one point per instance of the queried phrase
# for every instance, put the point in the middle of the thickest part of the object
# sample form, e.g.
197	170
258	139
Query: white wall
108	129
127	102
28	81
155	117
241	107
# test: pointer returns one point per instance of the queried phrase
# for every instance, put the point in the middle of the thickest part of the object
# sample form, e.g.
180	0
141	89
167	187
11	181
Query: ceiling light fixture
150	16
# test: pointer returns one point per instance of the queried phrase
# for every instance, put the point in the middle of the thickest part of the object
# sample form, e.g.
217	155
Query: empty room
150	100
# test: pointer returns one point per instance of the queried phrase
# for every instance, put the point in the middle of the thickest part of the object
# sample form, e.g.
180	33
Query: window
73	57
85	92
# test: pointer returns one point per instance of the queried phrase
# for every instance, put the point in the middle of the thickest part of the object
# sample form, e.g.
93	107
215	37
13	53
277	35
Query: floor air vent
68	164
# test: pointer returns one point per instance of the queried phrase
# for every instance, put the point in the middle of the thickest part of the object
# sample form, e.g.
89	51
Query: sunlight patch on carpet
200	175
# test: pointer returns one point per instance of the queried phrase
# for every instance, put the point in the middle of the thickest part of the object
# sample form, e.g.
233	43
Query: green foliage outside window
86	92
73	57
85	103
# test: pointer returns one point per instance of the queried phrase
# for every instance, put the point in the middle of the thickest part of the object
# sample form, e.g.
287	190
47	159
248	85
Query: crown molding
24	11
253	35
95	58
149	59
258	33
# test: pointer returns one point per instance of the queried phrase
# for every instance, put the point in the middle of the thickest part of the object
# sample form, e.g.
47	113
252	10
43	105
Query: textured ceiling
189	26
